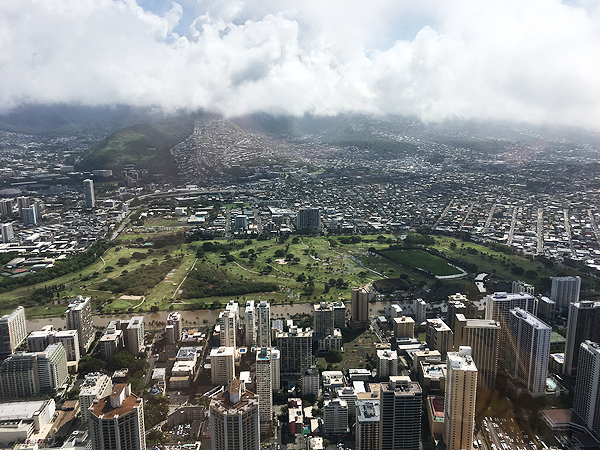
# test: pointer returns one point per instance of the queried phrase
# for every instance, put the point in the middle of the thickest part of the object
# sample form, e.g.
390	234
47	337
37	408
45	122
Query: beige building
359	308
79	317
94	387
439	336
264	388
404	327
222	365
13	331
459	404
234	419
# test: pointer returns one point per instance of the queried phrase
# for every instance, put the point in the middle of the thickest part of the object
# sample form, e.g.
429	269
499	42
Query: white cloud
532	61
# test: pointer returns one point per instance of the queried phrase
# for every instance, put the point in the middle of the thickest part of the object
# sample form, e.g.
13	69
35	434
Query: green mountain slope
145	145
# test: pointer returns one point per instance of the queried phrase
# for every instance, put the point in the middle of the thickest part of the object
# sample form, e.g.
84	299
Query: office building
400	414
240	222
88	192
222	365
439	336
420	311
6	208
263	324
13	331
8	233
234	419
227	335
29	216
22	202
482	336
94	387
134	335
79	317
173	328
367	424
339	315
583	324
586	402
565	290
264	388
335	417
387	363
530	355
359	308
404	327
308	219
117	421
459	404
296	350
323	320
250	316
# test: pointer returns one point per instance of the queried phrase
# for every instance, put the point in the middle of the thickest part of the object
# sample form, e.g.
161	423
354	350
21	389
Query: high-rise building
227	336
134	335
250	317
521	286
367	424
88	192
222	365
241	222
22	202
37	341
339	315
359	308
459	404
117	421
400	403
29	216
530	343
439	336
13	331
79	317
387	363
482	337
275	369
323	320
420	311
173	328
586	402
8	233
565	290
404	327
264	388
455	307
335	417
296	350
31	374
95	386
497	309
234	419
583	324
263	324
308	218
6	208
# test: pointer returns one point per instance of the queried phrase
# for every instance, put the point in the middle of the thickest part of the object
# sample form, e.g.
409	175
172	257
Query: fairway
421	259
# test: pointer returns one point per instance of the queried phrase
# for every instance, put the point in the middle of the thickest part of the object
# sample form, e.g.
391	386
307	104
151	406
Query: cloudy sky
533	60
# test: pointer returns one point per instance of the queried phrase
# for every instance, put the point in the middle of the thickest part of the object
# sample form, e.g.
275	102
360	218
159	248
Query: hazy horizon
534	62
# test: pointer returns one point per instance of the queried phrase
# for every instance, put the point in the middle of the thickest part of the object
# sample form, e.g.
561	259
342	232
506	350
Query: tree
334	356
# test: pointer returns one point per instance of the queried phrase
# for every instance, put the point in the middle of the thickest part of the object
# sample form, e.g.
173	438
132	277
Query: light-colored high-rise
6	208
400	402
13	331
8	233
367	424
29	216
264	388
583	324
250	316
88	192
116	422
227	336
530	342
459	404
22	202
52	367
482	336
359	307
387	363
420	311
565	290
586	402
173	328
275	369
95	386
222	365
79	317
37	341
335	417
234	419
439	336
263	324
134	335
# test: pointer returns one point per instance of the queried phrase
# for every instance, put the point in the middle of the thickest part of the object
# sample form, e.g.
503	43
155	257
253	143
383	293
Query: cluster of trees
215	282
140	280
59	269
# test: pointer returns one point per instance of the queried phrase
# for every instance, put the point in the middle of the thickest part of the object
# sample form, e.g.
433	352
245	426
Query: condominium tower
13	331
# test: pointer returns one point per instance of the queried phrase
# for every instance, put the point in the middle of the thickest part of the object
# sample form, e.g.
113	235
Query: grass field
415	258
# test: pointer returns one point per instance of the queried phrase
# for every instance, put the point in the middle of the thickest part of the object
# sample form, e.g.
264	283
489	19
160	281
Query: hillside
145	145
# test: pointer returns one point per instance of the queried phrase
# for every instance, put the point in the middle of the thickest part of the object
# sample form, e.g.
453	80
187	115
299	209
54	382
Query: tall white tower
88	191
263	324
